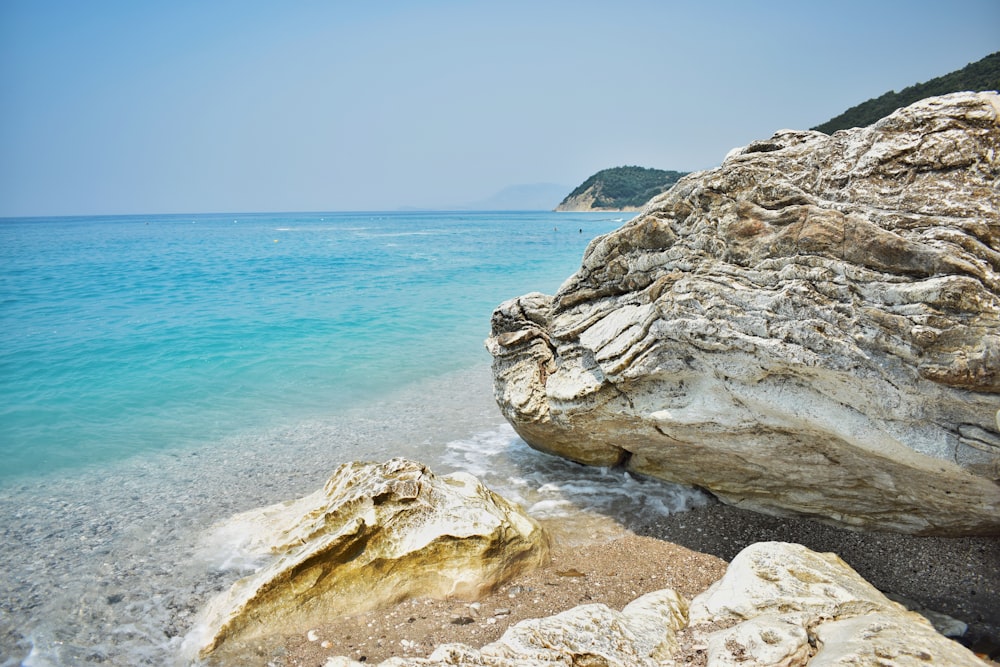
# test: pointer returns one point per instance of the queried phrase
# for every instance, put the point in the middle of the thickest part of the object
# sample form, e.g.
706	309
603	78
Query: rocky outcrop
374	535
778	604
587	201
619	189
813	328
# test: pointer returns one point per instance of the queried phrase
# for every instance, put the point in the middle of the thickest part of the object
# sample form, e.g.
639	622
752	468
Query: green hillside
981	75
620	188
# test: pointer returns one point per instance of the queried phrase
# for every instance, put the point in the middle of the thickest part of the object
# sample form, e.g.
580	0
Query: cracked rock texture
374	535
790	606
812	328
778	605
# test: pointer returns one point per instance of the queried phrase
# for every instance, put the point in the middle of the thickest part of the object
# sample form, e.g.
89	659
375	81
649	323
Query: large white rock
791	606
374	535
782	578
813	328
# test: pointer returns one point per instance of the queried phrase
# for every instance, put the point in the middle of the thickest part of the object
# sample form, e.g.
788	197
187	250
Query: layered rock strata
778	604
813	328
374	535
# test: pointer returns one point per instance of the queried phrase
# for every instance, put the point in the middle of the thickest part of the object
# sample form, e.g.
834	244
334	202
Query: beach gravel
687	552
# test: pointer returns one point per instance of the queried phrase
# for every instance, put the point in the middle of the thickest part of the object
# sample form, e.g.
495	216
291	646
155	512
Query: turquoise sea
130	334
160	373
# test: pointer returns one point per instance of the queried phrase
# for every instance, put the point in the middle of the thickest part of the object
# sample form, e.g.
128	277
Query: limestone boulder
786	605
374	535
812	328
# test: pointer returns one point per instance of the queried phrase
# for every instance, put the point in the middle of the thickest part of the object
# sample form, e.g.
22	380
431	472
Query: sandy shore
614	573
686	551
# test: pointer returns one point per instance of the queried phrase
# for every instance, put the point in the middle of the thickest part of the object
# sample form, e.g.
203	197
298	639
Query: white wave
550	509
552	487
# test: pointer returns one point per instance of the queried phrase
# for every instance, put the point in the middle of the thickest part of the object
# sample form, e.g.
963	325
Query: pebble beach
687	551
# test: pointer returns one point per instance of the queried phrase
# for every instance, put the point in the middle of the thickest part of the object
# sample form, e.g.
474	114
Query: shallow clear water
124	335
158	374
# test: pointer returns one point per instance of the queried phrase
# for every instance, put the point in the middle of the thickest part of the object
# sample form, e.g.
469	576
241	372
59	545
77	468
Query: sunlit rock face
374	535
812	328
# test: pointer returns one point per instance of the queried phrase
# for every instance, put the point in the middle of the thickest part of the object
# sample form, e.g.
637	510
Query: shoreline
686	551
139	529
105	563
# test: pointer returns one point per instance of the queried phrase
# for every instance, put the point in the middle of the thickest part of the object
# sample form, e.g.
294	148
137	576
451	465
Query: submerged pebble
135	586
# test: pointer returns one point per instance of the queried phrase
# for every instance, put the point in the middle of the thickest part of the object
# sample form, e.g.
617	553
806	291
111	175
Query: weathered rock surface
812	328
778	604
792	606
374	535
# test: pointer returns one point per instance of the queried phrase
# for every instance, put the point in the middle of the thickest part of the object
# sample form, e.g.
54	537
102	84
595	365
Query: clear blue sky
197	106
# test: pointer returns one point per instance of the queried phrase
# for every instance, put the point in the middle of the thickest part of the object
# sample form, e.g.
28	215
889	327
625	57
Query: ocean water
161	373
126	335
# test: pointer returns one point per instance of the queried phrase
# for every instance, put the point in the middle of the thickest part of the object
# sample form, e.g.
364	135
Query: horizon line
403	210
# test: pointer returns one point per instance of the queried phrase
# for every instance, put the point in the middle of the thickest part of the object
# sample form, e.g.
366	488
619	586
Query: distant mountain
981	75
528	197
619	189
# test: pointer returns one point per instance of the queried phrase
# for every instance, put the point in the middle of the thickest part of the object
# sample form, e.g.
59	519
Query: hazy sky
201	106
